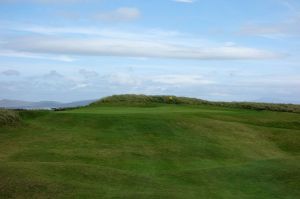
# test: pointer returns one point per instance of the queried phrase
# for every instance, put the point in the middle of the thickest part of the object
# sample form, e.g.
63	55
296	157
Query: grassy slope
164	151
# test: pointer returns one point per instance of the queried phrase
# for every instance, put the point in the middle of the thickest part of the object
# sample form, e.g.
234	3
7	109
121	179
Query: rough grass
8	117
146	152
146	100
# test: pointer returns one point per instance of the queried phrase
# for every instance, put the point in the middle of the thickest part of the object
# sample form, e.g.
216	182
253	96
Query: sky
70	50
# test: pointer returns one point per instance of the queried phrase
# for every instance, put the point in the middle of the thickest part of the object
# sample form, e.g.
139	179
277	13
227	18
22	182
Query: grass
9	117
156	151
148	100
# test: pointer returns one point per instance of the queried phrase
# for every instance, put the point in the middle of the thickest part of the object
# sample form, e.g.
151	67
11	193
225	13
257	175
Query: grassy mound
145	100
8	117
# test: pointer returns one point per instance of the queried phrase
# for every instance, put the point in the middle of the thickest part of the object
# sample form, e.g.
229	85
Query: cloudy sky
69	50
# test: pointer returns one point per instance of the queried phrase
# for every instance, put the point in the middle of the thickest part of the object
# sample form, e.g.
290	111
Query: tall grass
146	99
161	99
260	106
9	117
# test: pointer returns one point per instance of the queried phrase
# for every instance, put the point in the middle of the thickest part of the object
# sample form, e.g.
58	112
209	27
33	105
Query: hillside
151	150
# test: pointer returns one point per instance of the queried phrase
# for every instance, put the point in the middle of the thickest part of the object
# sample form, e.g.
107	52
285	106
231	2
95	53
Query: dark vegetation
67	108
9	117
150	100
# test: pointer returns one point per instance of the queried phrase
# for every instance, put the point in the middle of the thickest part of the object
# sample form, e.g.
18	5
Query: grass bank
145	152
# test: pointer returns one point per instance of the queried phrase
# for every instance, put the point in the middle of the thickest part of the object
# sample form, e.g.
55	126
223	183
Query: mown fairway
163	152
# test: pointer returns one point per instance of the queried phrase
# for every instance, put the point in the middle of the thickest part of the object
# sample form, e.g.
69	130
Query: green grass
155	151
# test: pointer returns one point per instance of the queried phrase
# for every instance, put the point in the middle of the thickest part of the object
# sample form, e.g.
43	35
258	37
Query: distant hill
17	104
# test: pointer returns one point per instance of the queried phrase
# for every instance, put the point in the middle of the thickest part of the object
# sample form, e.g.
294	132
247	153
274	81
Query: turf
159	151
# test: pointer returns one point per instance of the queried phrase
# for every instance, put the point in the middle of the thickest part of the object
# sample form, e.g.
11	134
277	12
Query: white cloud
21	54
149	34
69	85
133	48
120	15
123	79
88	41
182	80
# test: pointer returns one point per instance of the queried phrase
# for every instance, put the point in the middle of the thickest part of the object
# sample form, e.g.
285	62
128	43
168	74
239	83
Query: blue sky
68	50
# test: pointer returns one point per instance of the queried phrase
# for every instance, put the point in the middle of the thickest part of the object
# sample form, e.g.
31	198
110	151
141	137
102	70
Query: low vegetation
150	100
8	117
146	100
